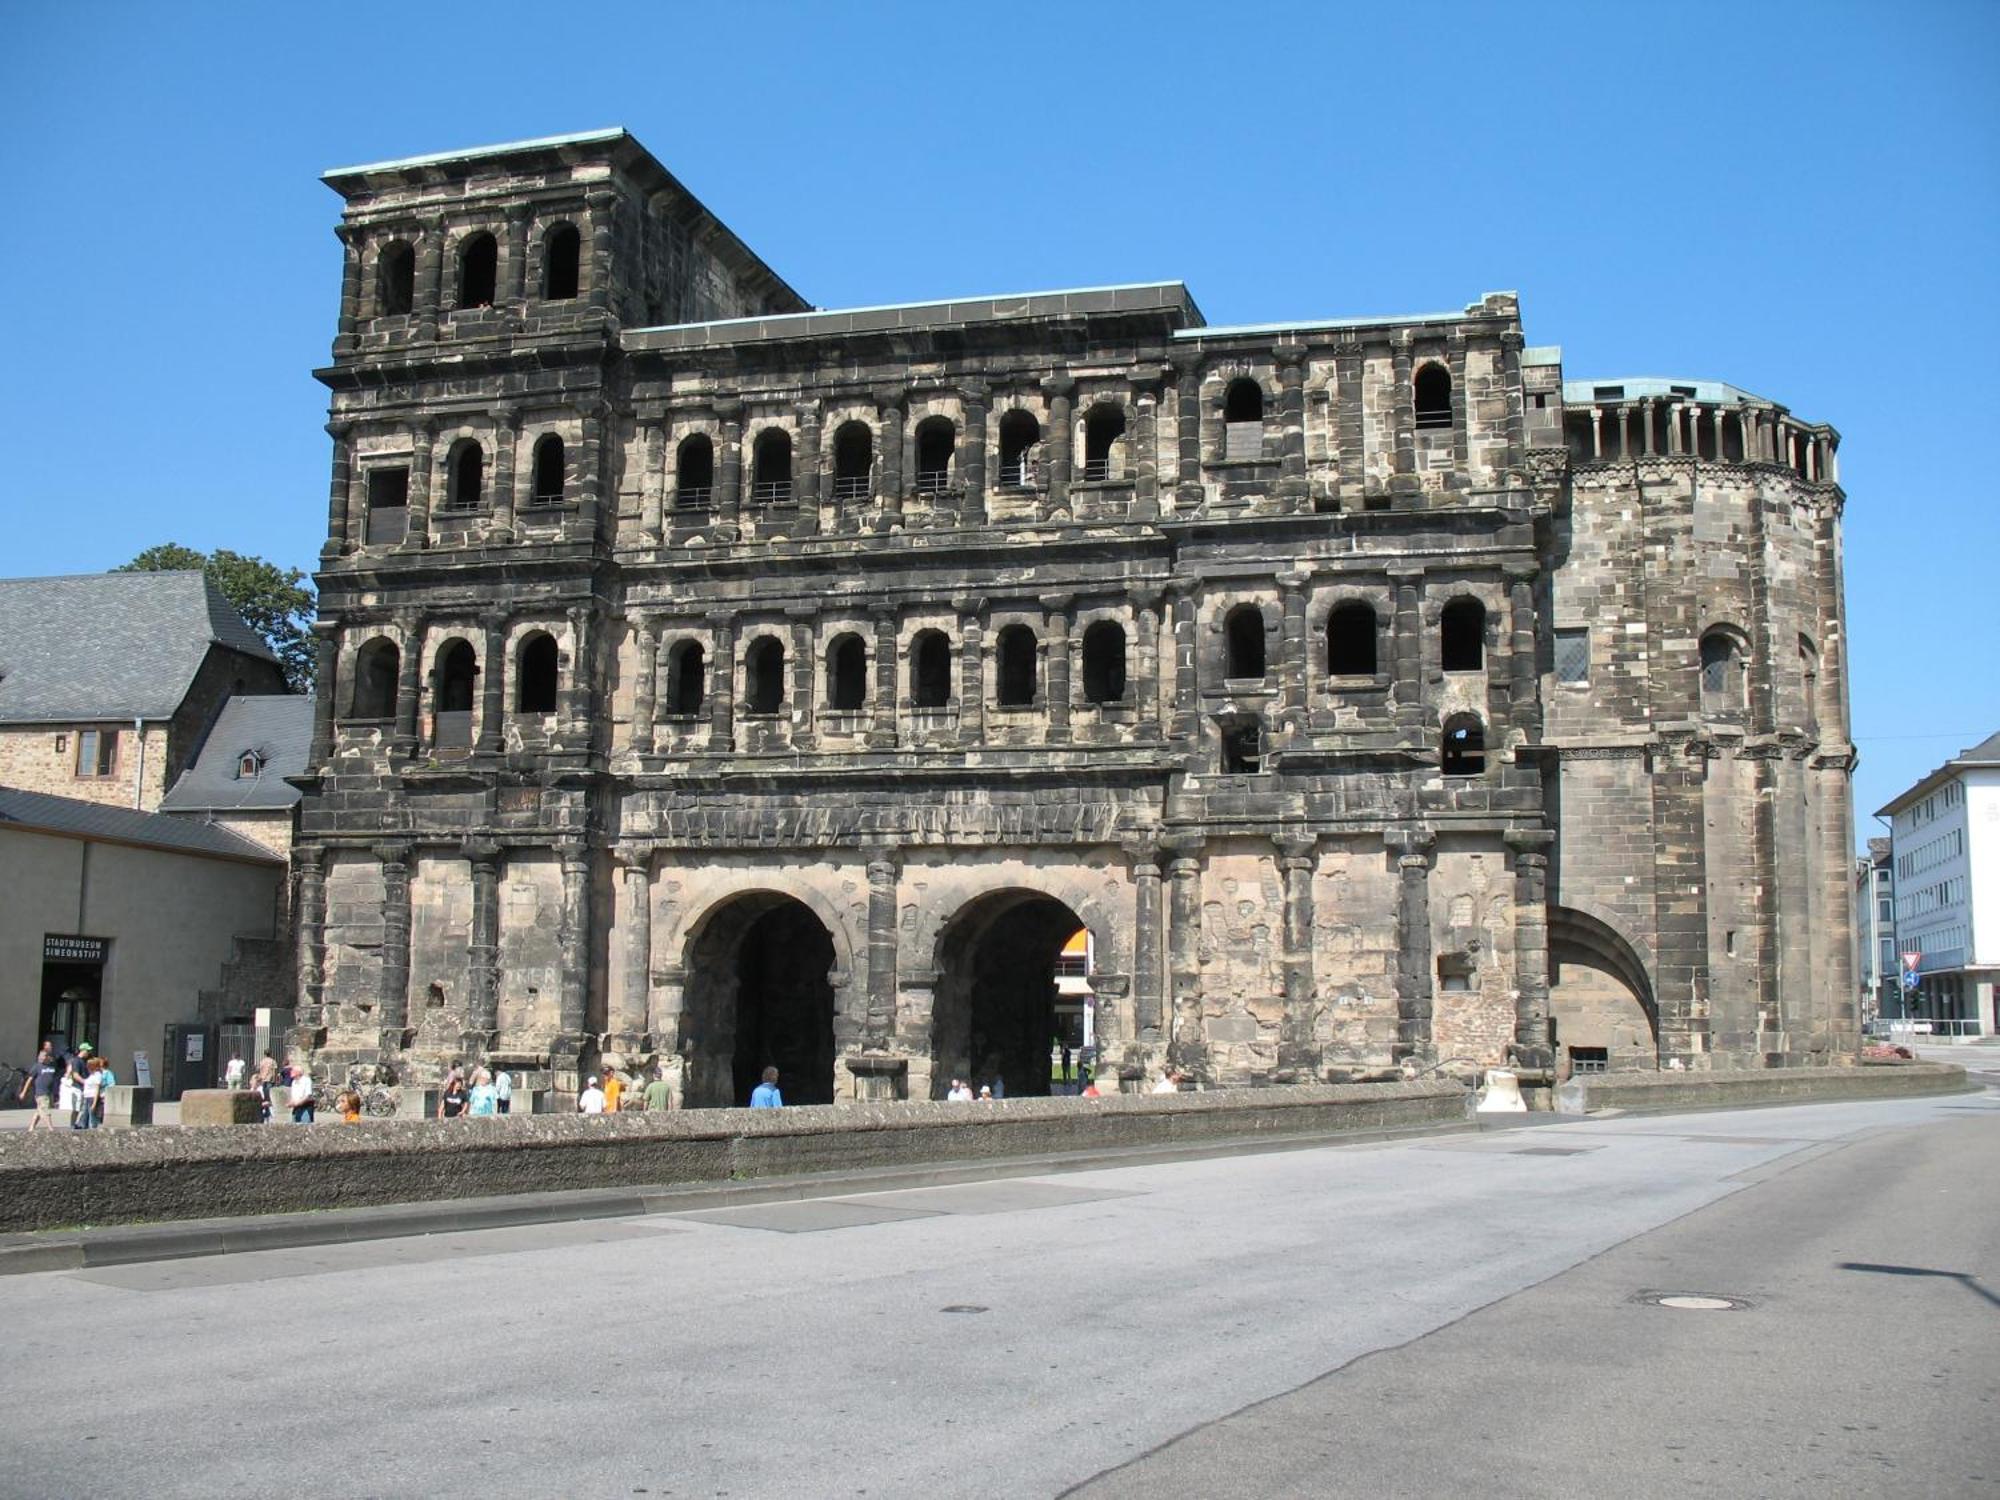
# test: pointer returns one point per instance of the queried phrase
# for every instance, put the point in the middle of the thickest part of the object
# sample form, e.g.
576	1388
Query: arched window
1732	438
395	279
478	270
1104	662
687	678
1721	673
561	259
853	460
694	471
1243	633
771	466
376	666
451	695
1102	428
1015	669
846	673
535	675
1462	633
937	440
1350	640
1464	750
1432	390
764	676
467	468
1019	432
930	670
1243	419
549	471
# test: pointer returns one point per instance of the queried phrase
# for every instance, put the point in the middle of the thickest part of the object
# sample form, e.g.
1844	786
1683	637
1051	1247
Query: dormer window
249	765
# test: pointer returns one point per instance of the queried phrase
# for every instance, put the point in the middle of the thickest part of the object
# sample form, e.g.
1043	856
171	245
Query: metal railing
770	491
1017	476
1429	420
694	496
1096	470
933	481
854	487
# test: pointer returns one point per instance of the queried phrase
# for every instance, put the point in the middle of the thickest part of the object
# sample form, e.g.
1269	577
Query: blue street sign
1909	979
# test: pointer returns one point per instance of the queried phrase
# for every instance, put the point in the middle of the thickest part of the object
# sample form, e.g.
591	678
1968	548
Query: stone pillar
883	868
804	663
340	492
1145	444
392	1008
972	458
629	1024
506	438
882	730
1056	622
889	403
1674	448
309	860
575	729
653	485
1186	714
492	684
1187	394
326	690
1148	947
1534	1028
573	939
1294	653
1350	373
482	1006
404	741
1461	443
729	471
722	686
1411	849
1146	665
1187	1046
417	537
430	268
1407	692
1525	681
1059	389
645	685
1680	898
1298	1055
590	467
602	205
971	670
1510	364
1403	481
806	475
513	285
351	240
1292	427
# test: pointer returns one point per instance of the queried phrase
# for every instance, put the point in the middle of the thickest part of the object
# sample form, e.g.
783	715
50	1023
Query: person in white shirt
503	1090
1170	1083
961	1092
591	1100
232	1076
302	1094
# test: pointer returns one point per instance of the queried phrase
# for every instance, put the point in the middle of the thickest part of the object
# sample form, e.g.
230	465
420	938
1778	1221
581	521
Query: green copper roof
582	137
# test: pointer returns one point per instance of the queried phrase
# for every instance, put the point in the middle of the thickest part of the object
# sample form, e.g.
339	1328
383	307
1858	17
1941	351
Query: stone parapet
1647	1093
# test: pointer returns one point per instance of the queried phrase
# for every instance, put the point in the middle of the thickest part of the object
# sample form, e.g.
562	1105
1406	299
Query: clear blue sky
1803	200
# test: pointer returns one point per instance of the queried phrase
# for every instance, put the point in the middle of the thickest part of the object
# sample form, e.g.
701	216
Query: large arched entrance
759	994
1600	996
1005	1002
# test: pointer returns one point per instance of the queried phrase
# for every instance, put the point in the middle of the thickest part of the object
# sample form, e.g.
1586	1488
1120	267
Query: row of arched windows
378	664
475	278
1353	632
465	473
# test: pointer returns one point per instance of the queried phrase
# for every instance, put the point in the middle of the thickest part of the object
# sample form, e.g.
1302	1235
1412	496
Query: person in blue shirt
766	1095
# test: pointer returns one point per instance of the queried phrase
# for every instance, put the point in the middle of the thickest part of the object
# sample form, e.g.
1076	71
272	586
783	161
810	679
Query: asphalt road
1451	1315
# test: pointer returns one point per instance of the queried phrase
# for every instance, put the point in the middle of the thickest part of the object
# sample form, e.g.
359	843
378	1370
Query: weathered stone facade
707	677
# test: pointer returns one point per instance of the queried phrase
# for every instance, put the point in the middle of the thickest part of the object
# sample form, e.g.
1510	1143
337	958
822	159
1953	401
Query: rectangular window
96	752
388	505
1589	1059
1882	911
1573	657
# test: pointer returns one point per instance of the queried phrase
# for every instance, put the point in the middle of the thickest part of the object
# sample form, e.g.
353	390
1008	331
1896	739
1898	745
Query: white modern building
1945	847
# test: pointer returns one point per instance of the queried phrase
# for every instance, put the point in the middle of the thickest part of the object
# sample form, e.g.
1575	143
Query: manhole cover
1693	1301
963	1307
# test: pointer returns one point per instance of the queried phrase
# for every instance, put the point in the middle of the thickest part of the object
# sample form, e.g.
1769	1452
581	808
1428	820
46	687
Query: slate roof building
110	681
237	779
708	676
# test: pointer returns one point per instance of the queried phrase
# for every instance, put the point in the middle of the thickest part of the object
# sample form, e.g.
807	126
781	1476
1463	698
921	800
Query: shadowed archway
759	994
995	1010
1600	994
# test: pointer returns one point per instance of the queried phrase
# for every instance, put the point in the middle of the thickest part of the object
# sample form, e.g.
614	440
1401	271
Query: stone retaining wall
60	1180
1653	1092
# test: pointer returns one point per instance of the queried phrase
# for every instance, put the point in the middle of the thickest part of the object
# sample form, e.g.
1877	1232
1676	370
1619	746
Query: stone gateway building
710	677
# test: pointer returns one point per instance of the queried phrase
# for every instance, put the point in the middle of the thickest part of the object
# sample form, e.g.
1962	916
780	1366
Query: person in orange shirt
614	1086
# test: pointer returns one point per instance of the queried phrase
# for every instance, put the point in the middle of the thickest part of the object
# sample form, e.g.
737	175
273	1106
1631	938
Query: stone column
351	240
1292	427
1407	649
309	860
574	728
513	285
482	1006
629	1025
1187	1046
506	438
882	731
590	466
1148	949
340	492
326	690
806	475
653	486
1674	410
492	684
573	939
1298	861
430	268
722	686
1294	653
971	670
602	205
1411	849
645	685
972	459
1461	438
883	868
1350	373
392	1008
1187	393
1403	482
1534	1029
404	742
1145	443
1517	436
729	471
804	665
1146	667
1059	389
889	403
417	537
1525	708
1056	621
1187	714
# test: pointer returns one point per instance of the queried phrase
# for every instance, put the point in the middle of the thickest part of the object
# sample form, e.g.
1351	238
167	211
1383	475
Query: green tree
276	602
